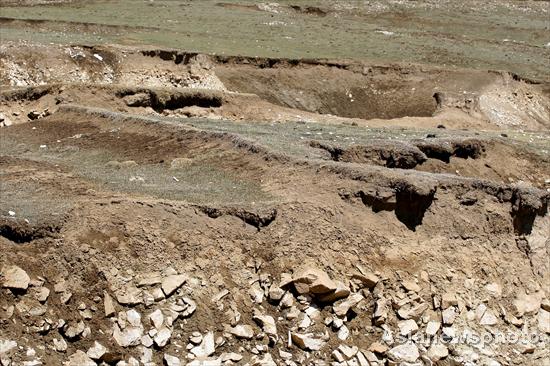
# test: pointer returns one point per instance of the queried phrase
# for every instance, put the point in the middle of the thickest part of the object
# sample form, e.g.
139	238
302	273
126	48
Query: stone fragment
368	279
544	321
129	295
66	297
220	295
337	356
171	283
378	347
267	323
347	351
488	318
407	352
137	100
207	346
242	331
41	294
7	345
275	293
287	301
293	313
527	304
407	327
494	289
411	311
343	333
15	278
59	344
256	293
61	286
448	299
73	331
432	327
146	355
162	337
341	292
148	279
129	336
307	342
362	360
108	305
230	356
313	281
449	315
437	352
266	360
170	360
157	318
96	351
134	318
411	286
380	311
79	358
341	308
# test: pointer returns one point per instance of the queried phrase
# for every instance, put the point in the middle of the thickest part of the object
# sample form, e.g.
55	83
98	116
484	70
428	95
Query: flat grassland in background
503	35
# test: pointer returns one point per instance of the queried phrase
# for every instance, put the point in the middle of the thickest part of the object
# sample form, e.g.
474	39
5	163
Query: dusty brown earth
167	207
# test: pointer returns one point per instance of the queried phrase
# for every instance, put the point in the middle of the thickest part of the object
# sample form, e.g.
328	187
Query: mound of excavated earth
167	208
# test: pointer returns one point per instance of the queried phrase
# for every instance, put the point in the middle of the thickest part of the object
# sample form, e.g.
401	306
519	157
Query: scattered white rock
162	337
171	283
129	336
157	318
15	278
59	345
313	281
7	345
449	315
207	346
96	351
129	295
242	331
307	342
407	327
432	327
437	352
170	360
267	323
544	321
79	358
341	308
230	356
407	352
527	303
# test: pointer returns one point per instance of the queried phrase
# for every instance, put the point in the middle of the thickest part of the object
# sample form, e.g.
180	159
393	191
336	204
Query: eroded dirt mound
349	89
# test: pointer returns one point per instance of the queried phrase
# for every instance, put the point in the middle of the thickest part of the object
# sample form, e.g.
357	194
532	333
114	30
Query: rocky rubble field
305	317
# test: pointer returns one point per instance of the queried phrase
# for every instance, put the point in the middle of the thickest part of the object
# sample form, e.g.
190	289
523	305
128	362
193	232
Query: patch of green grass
199	182
479	34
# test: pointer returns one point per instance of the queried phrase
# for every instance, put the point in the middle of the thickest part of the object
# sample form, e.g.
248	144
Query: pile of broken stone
304	318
